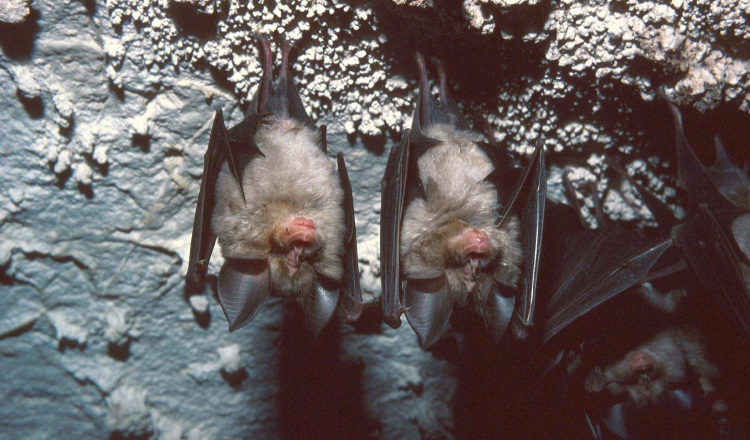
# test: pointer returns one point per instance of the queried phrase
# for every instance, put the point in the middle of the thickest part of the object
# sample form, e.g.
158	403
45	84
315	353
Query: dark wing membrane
707	238
351	300
241	146
243	287
711	252
532	228
393	192
203	240
584	268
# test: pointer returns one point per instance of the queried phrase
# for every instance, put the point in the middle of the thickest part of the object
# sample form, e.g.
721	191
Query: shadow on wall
321	394
17	39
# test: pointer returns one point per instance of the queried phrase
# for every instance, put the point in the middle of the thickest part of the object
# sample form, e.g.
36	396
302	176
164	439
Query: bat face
671	372
281	211
444	239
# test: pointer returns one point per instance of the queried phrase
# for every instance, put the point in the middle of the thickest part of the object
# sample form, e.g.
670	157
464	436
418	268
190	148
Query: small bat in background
670	373
281	212
452	232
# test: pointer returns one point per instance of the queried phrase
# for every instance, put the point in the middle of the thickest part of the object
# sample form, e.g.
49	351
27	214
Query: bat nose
473	246
299	232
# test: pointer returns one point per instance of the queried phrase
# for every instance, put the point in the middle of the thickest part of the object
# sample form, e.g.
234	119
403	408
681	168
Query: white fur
457	197
294	178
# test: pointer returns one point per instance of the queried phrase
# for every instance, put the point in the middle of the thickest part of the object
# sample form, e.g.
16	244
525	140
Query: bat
583	268
711	241
714	237
452	232
280	210
667	375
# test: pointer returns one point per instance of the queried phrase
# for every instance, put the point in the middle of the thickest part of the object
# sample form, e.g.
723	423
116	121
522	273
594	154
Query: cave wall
108	106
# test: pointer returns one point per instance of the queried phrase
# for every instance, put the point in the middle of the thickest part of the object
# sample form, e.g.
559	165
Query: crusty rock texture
107	108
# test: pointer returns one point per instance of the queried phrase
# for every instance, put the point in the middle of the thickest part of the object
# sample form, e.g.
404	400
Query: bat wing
429	304
534	185
393	197
237	148
244	286
714	235
351	301
583	268
528	200
320	306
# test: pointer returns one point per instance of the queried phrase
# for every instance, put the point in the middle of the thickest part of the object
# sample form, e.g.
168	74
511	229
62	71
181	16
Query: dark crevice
193	22
119	352
34	107
17	39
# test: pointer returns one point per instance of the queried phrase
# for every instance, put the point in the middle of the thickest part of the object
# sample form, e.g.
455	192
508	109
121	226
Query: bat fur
647	372
439	232
294	179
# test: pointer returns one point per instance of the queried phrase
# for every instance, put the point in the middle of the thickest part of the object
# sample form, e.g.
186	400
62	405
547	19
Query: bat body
668	377
656	385
444	239
715	236
280	209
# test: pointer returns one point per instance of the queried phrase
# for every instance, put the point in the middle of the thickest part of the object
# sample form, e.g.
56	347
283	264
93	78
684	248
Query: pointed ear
429	304
319	307
244	286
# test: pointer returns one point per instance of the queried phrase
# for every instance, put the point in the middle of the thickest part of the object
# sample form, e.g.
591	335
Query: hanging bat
584	268
281	212
452	233
654	390
714	238
715	235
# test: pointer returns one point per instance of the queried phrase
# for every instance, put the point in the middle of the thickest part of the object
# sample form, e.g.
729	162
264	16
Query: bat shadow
320	393
492	385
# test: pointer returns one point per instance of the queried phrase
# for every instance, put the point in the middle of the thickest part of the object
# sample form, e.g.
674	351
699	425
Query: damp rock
66	331
14	11
199	303
128	415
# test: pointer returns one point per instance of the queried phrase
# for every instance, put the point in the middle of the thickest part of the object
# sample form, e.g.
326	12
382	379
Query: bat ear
244	286
429	304
319	308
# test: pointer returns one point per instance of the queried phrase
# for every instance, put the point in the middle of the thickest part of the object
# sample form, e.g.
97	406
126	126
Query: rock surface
107	110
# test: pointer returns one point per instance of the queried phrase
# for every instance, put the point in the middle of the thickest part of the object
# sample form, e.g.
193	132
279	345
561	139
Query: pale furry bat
665	362
670	373
281	211
448	235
